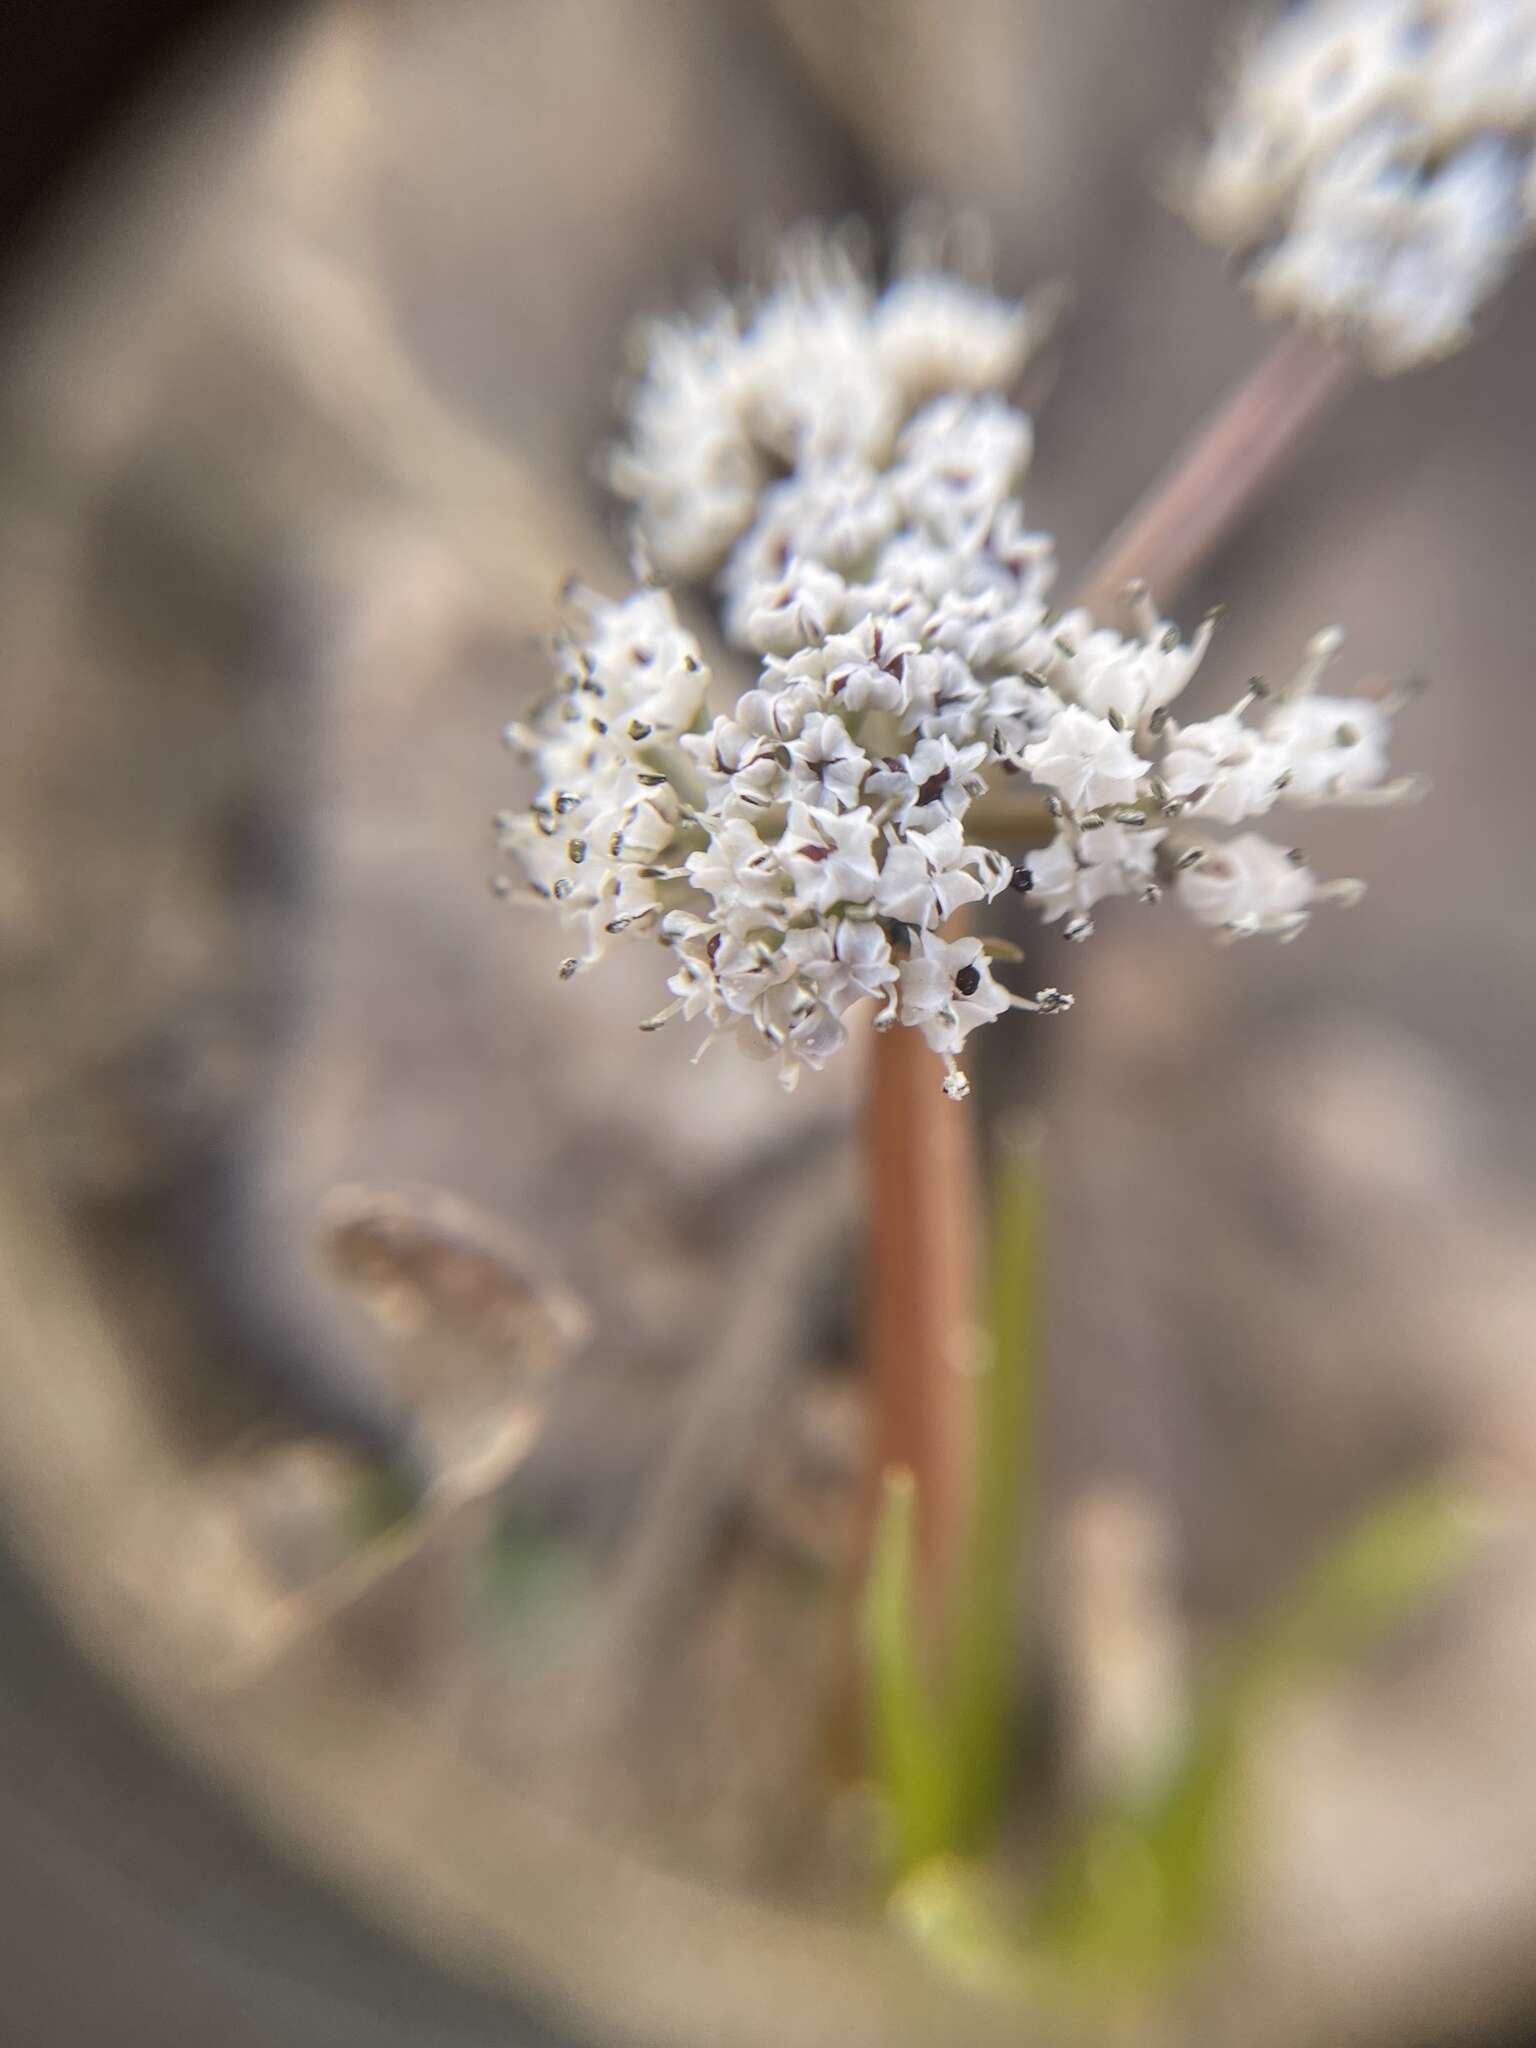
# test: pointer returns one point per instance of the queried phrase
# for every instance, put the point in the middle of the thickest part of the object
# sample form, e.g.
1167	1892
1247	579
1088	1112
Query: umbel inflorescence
1374	162
842	462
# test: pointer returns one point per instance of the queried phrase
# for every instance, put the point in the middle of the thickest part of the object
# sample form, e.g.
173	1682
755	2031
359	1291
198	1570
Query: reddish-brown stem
923	1201
1212	483
922	1278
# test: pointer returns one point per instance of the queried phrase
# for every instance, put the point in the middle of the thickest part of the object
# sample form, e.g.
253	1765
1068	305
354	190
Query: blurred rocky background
301	399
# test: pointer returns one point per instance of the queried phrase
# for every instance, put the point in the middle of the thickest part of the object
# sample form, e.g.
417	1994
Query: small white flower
830	856
865	670
932	784
1125	679
945	698
826	769
1329	746
947	990
1067	878
742	770
926	876
845	963
958	461
737	870
806	604
788	1022
1249	885
934	333
810	372
779	708
1087	760
1017	711
689	461
1223	769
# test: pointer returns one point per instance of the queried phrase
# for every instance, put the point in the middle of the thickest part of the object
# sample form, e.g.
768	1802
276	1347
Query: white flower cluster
1376	162
802	846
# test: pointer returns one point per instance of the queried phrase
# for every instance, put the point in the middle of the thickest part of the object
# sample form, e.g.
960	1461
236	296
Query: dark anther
967	981
1021	880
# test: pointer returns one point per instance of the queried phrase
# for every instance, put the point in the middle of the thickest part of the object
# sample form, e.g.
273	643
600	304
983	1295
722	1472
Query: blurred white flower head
1371	161
798	835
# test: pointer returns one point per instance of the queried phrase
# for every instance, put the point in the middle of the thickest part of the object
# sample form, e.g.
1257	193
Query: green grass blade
983	1664
1145	1882
910	1753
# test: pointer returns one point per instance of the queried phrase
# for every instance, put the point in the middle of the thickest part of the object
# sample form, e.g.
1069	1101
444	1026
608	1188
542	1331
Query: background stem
1209	487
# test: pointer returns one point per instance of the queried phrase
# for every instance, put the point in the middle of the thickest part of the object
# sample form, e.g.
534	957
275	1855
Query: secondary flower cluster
800	848
1374	162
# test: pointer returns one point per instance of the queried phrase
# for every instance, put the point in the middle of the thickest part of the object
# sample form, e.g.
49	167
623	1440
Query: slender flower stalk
922	1275
1216	478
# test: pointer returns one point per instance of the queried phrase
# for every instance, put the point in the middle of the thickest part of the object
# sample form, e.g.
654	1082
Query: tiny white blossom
1087	760
1223	769
1128	679
935	332
947	990
826	768
845	962
932	784
830	856
1071	875
738	870
926	876
1249	885
1330	746
958	462
865	669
